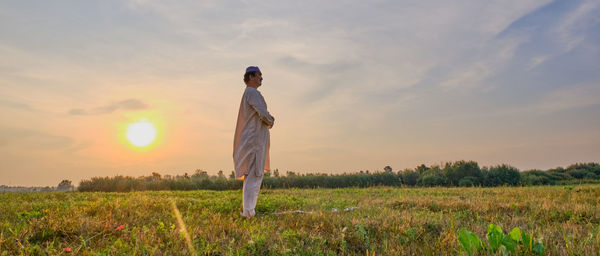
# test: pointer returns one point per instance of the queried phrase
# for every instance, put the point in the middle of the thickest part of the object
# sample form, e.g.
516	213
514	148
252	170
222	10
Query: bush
468	181
410	177
596	170
537	177
577	173
454	172
431	180
502	175
583	166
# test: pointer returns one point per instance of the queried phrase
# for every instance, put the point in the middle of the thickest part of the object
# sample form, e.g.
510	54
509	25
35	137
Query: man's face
256	80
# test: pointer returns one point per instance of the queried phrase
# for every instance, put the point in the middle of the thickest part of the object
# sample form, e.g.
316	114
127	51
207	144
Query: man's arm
258	103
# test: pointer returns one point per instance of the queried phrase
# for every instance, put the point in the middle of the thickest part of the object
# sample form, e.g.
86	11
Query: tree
577	173
503	175
468	181
537	177
410	177
199	174
65	185
432	177
454	172
387	168
422	168
430	180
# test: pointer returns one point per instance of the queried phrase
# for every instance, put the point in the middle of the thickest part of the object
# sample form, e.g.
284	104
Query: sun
141	134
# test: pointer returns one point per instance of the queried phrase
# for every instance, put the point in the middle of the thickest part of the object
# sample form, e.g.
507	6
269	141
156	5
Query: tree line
450	174
64	185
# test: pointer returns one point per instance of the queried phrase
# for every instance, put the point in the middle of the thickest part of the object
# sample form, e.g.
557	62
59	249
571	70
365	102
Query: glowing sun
141	133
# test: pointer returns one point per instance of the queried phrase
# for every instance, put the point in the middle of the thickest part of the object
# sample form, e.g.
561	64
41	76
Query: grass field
384	221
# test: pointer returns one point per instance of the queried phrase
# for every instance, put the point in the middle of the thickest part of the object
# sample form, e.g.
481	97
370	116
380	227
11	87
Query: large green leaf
515	234
509	243
469	241
495	237
492	228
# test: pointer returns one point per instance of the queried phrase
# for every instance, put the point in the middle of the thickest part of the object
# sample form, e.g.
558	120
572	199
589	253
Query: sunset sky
353	85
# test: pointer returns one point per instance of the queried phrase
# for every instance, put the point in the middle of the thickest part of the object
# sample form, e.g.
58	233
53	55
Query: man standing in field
251	141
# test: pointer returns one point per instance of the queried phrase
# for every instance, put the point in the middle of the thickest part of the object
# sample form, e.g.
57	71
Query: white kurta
252	139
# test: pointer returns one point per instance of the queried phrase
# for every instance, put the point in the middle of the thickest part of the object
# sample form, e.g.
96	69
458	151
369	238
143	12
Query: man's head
253	77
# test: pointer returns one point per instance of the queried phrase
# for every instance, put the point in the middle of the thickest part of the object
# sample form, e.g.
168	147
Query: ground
349	221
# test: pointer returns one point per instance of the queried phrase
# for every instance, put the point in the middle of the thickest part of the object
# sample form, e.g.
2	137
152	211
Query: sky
353	85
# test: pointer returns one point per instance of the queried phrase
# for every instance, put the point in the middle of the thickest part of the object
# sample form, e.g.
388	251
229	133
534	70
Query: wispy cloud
493	58
15	105
536	61
130	104
571	28
569	98
32	139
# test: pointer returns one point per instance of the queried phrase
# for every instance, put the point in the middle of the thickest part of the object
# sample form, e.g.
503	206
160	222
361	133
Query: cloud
572	97
80	146
494	56
570	28
329	76
536	61
32	139
130	104
14	104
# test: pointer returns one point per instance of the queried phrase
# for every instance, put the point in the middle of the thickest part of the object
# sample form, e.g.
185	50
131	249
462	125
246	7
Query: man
251	141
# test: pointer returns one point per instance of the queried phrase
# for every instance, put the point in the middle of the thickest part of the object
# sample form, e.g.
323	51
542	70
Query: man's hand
271	125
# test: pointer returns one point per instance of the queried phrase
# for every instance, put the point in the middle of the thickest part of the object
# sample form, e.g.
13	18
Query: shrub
454	172
537	177
410	177
430	180
502	175
468	181
577	173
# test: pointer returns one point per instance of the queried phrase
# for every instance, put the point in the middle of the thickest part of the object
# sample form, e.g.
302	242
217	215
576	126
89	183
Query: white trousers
251	188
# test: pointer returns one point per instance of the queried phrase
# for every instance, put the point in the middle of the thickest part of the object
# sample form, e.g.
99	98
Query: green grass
388	221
